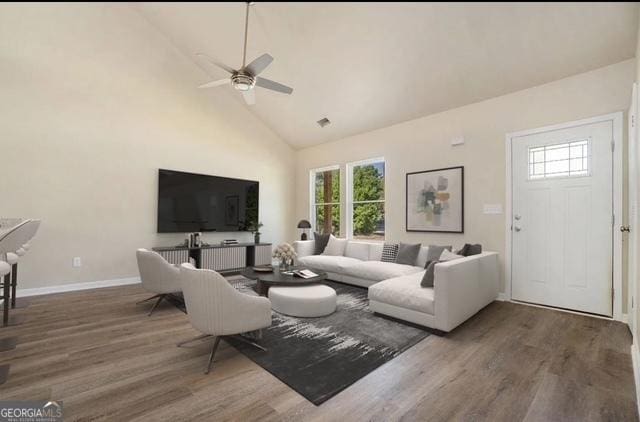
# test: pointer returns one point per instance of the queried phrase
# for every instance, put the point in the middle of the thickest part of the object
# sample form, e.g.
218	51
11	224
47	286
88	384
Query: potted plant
254	227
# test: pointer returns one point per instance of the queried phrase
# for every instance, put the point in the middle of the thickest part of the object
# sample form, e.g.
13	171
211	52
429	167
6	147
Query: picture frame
434	200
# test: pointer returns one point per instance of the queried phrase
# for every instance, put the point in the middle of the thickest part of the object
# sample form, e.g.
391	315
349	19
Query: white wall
93	100
424	144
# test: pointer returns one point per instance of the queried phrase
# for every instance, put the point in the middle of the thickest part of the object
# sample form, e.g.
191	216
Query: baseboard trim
38	291
635	358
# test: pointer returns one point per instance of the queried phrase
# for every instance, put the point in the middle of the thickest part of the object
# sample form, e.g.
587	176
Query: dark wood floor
99	353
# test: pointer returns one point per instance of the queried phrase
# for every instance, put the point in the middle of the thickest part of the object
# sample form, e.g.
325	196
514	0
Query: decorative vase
285	264
256	238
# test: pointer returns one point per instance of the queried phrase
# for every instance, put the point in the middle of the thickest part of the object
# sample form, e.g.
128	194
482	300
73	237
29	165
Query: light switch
493	208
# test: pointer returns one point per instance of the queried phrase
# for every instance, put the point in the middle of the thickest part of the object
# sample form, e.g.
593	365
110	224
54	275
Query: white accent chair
217	309
158	276
30	229
11	242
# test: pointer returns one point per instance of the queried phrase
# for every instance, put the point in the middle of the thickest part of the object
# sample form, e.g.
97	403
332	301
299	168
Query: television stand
221	258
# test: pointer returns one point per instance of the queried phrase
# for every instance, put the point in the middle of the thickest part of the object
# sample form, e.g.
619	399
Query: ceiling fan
246	78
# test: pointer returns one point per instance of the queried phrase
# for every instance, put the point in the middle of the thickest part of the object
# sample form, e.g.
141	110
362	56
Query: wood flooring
101	354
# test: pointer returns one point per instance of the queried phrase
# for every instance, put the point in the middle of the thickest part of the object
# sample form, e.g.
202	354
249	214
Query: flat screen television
190	202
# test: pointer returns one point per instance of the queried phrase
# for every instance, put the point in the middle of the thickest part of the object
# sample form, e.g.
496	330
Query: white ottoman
303	301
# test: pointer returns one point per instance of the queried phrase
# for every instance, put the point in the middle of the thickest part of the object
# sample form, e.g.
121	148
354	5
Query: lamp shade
304	224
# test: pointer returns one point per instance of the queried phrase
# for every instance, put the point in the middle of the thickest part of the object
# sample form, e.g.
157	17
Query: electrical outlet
77	262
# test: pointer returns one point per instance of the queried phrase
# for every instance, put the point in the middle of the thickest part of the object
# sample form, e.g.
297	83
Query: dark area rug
319	357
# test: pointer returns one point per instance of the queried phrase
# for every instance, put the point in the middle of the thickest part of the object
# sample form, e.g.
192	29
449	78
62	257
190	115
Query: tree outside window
368	198
326	201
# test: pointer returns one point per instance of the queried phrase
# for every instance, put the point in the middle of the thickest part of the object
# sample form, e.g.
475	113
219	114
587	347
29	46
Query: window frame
349	195
532	177
312	194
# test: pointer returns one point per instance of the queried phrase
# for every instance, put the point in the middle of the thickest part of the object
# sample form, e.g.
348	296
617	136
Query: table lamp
304	225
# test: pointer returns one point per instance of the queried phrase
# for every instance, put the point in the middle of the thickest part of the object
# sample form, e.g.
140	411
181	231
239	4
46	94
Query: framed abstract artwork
435	200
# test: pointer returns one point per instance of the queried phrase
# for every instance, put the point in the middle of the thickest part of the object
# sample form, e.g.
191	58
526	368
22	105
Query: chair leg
5	296
249	342
147	299
203	336
156	305
213	352
14	284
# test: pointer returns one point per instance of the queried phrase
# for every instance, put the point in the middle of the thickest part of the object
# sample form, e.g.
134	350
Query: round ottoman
303	301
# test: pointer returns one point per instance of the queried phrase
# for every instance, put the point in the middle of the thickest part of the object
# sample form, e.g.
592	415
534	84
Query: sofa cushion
335	246
334	264
357	250
375	251
378	270
405	292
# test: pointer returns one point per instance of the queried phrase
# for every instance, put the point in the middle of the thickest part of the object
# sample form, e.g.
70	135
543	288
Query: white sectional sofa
461	287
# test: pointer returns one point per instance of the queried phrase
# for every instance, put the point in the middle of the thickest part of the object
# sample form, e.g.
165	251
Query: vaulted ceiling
369	65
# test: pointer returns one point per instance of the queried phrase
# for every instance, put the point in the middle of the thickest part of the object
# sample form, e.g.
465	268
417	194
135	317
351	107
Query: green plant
254	227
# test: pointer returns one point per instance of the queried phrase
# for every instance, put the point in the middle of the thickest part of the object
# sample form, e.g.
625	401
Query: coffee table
276	278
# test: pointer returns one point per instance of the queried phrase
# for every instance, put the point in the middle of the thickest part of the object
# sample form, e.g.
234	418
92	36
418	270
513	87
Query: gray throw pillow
468	249
321	242
434	253
427	279
407	254
474	249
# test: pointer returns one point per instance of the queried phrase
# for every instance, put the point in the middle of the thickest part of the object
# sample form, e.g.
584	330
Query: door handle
517	228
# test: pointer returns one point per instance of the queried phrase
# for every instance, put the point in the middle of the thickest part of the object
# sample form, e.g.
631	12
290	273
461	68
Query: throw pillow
429	274
321	242
434	253
335	246
449	256
464	250
407	254
474	249
389	252
468	249
427	279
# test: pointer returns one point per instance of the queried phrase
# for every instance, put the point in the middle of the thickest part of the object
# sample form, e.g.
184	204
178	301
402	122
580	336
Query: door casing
617	122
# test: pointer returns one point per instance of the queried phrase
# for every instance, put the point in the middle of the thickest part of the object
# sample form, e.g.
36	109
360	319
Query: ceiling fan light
243	82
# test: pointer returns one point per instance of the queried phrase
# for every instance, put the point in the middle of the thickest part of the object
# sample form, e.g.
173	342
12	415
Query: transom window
569	159
325	200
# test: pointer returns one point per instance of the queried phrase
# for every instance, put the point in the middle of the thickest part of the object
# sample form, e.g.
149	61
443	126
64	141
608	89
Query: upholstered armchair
218	310
158	276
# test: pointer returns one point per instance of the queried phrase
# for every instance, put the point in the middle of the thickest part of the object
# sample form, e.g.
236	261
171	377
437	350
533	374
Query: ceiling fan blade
249	96
273	85
215	83
216	63
258	65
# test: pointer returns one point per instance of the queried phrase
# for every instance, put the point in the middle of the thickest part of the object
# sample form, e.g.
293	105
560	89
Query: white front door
634	199
562	211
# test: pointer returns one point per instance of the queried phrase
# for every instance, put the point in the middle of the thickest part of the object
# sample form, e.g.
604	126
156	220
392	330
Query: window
325	200
568	159
365	199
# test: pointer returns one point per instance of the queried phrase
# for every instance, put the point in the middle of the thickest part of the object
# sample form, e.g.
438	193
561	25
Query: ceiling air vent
324	122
